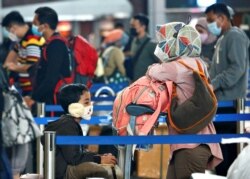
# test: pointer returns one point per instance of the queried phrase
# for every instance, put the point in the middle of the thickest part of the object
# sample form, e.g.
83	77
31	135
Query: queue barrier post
39	147
240	104
50	151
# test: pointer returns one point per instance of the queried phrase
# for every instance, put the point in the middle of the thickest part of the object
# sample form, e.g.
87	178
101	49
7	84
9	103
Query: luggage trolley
125	156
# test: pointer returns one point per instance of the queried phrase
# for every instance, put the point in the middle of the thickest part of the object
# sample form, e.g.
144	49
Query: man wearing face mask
54	66
228	71
75	161
26	51
142	47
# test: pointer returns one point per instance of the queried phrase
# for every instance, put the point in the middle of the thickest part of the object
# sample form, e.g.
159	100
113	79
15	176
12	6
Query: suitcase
154	163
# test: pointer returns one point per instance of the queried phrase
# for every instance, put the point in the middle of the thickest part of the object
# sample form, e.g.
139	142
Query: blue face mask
35	30
214	29
5	33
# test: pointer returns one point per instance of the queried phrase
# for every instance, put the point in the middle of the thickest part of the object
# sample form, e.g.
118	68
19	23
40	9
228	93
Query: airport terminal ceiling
237	4
78	10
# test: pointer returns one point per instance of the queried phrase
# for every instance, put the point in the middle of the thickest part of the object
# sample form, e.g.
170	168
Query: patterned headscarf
177	39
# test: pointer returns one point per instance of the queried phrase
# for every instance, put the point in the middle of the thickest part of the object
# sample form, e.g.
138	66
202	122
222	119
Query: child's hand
108	159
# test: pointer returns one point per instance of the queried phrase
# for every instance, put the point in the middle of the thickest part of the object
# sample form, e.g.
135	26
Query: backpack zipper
118	109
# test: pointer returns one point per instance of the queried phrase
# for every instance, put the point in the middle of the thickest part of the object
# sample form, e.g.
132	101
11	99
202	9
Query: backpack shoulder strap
189	67
56	37
201	73
53	37
138	52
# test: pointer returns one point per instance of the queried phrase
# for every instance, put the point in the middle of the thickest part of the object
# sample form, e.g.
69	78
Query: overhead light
64	26
121	15
205	3
83	17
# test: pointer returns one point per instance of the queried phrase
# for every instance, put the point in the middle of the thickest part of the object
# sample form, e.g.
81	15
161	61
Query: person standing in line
54	65
228	71
113	57
26	51
179	42
208	40
142	47
5	168
21	59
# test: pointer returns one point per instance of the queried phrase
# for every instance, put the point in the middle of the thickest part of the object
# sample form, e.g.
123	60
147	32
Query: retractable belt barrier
115	87
58	108
106	120
163	139
129	140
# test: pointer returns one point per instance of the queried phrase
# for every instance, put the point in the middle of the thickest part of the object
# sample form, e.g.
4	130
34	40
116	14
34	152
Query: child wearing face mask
208	40
74	161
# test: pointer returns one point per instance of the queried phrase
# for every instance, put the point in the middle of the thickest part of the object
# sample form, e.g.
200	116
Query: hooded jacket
69	154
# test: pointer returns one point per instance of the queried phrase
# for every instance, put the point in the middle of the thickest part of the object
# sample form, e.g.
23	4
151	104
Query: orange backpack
146	92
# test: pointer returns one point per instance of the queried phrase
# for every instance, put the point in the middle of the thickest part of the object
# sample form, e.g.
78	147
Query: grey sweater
229	68
146	57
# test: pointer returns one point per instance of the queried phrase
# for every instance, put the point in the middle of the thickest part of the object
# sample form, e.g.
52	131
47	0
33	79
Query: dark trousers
188	161
229	151
86	169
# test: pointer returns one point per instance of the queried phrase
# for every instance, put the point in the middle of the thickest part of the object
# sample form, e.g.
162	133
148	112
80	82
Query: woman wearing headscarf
208	40
178	41
113	56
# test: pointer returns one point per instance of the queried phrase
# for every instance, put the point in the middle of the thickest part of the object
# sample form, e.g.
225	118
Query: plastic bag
240	167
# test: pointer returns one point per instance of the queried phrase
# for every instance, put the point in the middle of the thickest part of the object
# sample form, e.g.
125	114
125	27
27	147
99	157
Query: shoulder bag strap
3	78
138	52
202	74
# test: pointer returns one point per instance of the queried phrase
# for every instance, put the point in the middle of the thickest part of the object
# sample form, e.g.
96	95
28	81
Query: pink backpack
144	91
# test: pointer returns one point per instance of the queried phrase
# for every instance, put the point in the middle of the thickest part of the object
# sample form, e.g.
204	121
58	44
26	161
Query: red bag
83	59
85	56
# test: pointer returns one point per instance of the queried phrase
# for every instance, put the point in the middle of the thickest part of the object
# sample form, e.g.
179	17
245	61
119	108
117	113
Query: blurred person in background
141	51
119	25
5	169
22	57
228	71
54	65
113	56
26	51
208	40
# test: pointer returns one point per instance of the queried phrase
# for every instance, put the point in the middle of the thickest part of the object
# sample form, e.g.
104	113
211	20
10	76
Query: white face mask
160	54
13	37
204	37
79	111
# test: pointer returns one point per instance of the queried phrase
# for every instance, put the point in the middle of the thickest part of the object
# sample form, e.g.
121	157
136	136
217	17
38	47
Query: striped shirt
29	52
